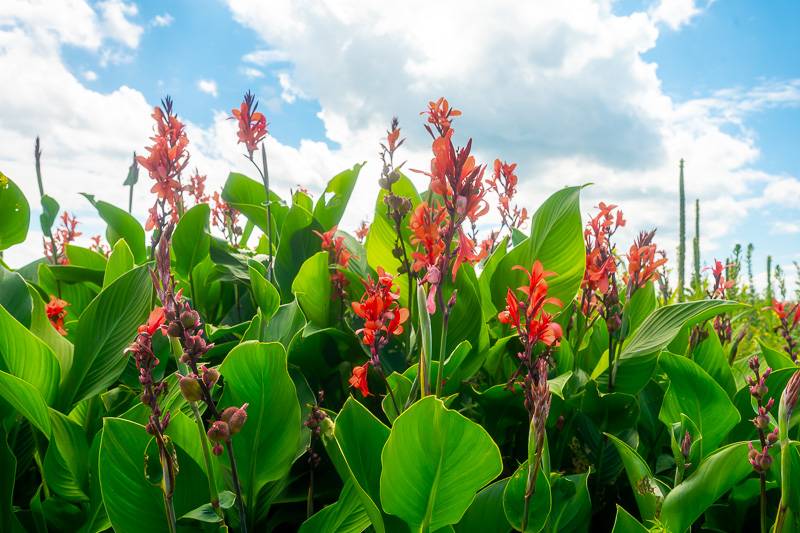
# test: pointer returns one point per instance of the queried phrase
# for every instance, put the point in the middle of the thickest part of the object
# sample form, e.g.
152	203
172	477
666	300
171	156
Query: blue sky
590	91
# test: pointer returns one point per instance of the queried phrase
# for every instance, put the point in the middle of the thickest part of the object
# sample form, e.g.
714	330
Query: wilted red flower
642	263
362	231
359	379
56	311
252	123
166	160
527	315
440	115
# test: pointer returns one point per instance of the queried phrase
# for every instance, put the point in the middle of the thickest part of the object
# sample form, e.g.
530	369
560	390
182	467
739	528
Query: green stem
212	478
442	349
763	483
265	176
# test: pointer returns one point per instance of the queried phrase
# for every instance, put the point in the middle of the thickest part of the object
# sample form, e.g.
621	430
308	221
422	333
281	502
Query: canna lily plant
237	360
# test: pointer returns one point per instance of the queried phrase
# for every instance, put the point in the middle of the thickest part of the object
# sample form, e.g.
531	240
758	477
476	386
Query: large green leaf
648	491
715	476
26	400
360	438
66	461
312	288
539	505
626	523
434	462
43	328
50	209
14	296
121	225
486	511
346	515
14	212
8	472
557	241
84	257
119	262
256	373
694	393
639	354
249	197
572	506
191	241
298	242
265	294
105	328
333	201
710	355
23	355
381	238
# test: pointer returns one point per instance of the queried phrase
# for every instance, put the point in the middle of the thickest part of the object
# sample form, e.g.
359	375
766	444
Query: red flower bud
219	431
235	418
210	376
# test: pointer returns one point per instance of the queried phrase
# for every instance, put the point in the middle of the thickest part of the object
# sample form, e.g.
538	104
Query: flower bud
210	376
190	318
235	417
219	431
217	449
174	329
190	388
686	445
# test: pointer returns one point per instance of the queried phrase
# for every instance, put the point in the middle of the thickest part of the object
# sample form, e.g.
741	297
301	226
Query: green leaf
14	212
298	242
121	224
312	288
626	523
637	360
23	355
360	438
646	488
256	373
641	304
25	399
119	262
8	471
486	511
381	237
715	476
401	388
191	241
105	328
557	241
775	360
434	462
265	294
485	279
84	257
77	274
66	461
514	500
572	506
710	355
694	393
14	296
346	515
249	197
333	201
49	213
44	330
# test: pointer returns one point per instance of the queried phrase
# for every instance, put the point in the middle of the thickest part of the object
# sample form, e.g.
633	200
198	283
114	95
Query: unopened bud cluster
152	391
761	459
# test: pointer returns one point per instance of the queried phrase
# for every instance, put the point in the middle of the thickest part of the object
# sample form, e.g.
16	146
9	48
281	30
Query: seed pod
235	417
219	431
210	376
190	388
190	318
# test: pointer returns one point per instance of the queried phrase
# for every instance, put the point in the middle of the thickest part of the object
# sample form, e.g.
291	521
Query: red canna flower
252	123
504	183
167	158
56	311
359	379
527	315
440	115
362	231
601	264
427	225
226	218
197	187
465	253
338	258
720	283
66	233
154	321
642	263
380	311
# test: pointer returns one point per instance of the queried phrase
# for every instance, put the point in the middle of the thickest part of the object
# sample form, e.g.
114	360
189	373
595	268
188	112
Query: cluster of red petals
440	114
720	283
359	379
393	136
167	158
600	261
362	231
154	322
504	183
642	263
380	310
56	311
788	312
527	314
65	234
465	252
338	256
252	123
427	225
98	246
197	187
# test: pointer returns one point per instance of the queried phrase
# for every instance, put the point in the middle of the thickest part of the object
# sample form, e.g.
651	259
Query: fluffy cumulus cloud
562	89
209	87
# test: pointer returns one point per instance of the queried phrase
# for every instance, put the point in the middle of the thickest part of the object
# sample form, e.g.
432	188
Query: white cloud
252	73
162	21
265	57
785	228
89	75
208	87
289	91
675	13
115	15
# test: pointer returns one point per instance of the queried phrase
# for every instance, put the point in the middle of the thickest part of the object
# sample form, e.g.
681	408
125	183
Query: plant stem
389	390
442	348
763	481
265	177
212	478
238	486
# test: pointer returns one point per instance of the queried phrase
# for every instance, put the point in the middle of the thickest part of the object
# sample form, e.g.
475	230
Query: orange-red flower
504	183
197	187
527	315
167	158
252	123
465	253
788	312
154	321
601	264
380	311
338	257
642	263
65	234
56	311
362	231
720	283
440	115
427	225
359	379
